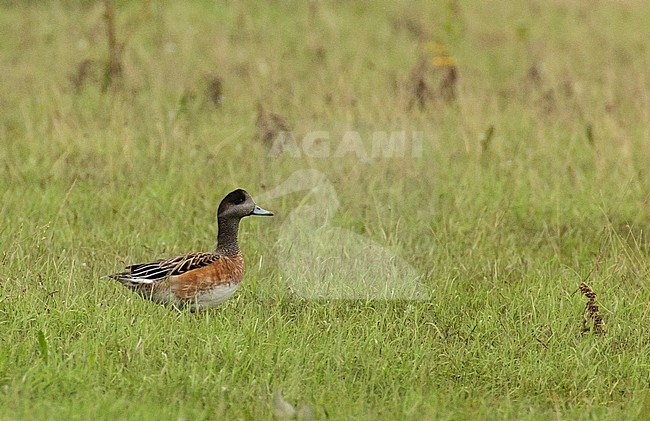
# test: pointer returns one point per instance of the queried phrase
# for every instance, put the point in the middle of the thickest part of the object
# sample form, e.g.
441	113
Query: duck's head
238	204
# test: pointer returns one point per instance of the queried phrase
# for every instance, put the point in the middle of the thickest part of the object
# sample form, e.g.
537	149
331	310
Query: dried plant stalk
114	66
269	125
591	311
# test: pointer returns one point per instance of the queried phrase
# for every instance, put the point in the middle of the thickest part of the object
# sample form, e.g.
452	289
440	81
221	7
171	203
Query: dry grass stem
591	312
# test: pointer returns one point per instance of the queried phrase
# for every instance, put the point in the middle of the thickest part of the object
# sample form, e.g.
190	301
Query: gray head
238	204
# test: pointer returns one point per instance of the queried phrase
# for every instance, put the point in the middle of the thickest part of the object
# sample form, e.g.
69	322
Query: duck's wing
148	273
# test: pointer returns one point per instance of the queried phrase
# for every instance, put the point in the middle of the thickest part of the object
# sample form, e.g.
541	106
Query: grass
503	230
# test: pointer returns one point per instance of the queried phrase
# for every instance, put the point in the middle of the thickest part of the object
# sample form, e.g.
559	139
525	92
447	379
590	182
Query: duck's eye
240	200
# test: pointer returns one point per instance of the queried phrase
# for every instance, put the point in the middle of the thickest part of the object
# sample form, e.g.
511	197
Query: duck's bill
261	212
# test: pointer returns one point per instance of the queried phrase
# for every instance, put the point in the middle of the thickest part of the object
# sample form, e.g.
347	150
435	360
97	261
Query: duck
198	280
322	261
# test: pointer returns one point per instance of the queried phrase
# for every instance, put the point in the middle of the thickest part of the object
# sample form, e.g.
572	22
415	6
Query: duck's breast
212	283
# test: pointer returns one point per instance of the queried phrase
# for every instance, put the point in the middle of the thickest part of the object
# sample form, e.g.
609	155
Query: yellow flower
443	61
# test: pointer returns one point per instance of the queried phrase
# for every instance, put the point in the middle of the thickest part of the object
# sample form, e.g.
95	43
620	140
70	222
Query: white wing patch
141	281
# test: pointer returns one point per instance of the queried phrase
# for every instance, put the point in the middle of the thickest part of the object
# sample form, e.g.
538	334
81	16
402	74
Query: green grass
92	180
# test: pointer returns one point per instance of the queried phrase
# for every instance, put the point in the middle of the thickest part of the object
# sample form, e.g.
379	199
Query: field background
532	179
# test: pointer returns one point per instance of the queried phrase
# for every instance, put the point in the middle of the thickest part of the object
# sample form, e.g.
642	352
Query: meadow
532	177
